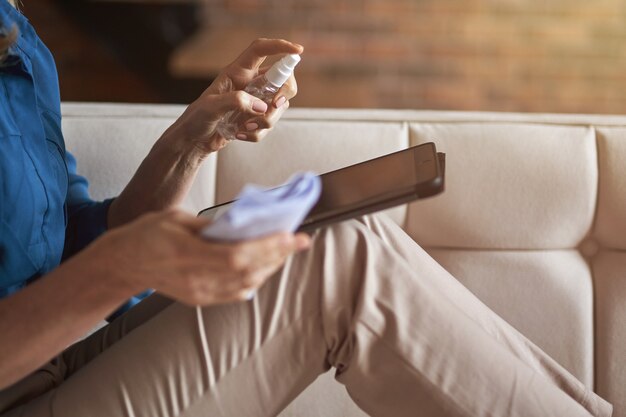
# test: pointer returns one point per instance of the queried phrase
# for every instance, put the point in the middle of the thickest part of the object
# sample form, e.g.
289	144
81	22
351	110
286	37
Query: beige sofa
533	219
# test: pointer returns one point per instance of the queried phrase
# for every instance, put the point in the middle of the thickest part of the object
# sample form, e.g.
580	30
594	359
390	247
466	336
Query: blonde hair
7	37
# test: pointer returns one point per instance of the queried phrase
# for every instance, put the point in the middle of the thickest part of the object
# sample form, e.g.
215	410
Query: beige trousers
405	337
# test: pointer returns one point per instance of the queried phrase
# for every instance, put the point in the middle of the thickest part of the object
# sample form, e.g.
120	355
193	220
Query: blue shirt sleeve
86	219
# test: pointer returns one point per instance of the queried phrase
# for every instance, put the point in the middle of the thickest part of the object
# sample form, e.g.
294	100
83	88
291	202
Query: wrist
193	134
106	273
173	144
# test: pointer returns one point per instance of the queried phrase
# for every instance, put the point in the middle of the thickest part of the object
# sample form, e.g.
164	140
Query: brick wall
509	55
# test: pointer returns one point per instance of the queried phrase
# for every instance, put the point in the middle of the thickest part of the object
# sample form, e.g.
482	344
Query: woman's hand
164	251
166	174
197	124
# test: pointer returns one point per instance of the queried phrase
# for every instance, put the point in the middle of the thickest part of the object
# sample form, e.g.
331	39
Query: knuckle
169	214
235	261
241	296
196	298
292	89
249	278
175	214
257	42
240	99
196	288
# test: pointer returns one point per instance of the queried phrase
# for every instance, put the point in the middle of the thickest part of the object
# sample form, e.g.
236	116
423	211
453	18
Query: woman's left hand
197	125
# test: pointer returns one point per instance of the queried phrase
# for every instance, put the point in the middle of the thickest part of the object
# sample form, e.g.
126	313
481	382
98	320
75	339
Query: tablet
371	186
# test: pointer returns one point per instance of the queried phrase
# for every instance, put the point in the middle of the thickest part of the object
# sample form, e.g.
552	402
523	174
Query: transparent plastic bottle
264	86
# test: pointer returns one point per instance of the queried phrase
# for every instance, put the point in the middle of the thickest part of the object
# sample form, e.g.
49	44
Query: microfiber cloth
259	211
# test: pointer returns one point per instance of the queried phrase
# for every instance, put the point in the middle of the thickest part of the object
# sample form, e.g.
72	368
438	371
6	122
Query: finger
253	137
238	297
286	92
255	54
249	281
247	289
254	130
206	285
230	290
247	255
303	241
269	250
264	69
268	121
241	259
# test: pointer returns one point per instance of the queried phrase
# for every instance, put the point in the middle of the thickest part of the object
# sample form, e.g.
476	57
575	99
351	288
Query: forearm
161	182
44	318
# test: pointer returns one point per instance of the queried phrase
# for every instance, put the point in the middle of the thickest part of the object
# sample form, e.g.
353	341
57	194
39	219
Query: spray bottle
264	86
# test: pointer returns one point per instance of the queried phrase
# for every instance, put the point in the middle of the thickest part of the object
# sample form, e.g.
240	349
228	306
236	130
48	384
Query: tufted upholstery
533	219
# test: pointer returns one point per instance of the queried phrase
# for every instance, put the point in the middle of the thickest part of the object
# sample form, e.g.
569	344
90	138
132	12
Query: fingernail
241	136
252	126
281	100
259	106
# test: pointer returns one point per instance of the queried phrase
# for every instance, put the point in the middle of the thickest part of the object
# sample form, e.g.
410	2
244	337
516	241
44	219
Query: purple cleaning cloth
259	211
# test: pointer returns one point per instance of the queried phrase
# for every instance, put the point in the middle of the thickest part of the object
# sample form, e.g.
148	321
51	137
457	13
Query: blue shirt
46	213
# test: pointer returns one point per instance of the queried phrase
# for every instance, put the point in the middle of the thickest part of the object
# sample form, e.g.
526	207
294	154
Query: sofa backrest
533	219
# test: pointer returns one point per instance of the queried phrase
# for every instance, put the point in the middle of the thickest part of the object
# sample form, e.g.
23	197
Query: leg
422	343
242	359
393	236
400	344
81	353
51	375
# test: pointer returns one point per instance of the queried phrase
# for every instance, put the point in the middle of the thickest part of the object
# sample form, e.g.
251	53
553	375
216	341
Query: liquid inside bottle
263	87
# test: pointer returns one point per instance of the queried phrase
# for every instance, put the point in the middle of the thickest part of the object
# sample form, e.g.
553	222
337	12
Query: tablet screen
357	184
387	180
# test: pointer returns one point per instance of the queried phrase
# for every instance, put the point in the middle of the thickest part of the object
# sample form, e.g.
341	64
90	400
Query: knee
343	238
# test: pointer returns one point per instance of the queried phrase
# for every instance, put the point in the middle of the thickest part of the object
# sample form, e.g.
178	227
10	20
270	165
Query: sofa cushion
610	220
508	186
109	146
609	269
546	295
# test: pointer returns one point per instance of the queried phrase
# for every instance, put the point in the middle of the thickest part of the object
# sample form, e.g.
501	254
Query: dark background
117	51
564	56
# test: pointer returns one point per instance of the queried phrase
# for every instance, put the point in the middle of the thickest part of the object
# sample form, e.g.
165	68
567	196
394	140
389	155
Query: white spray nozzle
282	70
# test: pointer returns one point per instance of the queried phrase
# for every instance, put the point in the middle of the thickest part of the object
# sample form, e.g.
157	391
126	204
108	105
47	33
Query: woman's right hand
196	129
164	251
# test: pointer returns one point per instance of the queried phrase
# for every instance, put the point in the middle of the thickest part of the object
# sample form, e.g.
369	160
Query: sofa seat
533	219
